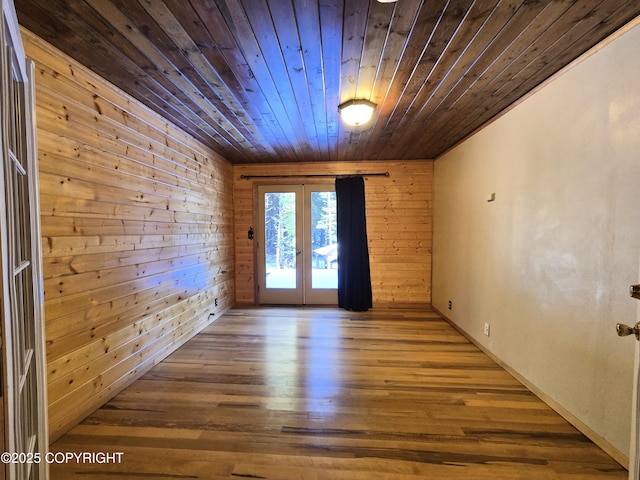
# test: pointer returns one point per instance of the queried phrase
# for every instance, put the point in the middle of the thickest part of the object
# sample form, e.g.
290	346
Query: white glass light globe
356	112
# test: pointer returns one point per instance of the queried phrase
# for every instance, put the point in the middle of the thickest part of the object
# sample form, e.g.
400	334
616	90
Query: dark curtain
354	277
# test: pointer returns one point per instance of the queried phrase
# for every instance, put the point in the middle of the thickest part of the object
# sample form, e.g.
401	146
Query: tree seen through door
281	243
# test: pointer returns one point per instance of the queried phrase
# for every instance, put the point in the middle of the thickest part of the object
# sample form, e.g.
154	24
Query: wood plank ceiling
260	80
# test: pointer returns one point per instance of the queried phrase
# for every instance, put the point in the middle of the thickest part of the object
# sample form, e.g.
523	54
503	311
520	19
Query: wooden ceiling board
331	12
414	34
259	81
118	61
520	70
139	28
391	75
250	48
200	34
307	15
491	49
276	29
441	48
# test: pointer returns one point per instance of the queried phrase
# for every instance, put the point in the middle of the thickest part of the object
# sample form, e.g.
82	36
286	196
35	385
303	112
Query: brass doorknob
625	330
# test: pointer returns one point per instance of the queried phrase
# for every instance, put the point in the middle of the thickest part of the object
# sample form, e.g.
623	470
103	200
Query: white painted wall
549	262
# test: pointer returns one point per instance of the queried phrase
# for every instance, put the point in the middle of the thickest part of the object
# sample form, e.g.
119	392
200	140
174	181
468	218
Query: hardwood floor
325	394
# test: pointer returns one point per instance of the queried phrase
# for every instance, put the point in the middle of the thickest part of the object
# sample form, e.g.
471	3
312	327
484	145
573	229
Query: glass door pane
321	247
280	239
279	247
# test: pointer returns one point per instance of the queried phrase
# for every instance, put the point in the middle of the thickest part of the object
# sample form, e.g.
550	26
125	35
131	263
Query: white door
296	243
23	373
624	330
634	460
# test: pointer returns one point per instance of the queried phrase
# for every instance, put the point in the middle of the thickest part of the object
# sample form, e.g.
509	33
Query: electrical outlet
450	305
487	329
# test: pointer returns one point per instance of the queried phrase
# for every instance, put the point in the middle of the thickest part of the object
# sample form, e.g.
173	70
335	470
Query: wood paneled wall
399	214
137	225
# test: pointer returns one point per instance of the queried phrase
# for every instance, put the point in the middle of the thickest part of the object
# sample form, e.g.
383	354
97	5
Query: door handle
625	330
298	252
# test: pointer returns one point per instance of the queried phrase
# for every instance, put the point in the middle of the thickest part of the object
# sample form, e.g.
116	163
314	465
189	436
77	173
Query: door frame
314	296
634	453
23	73
274	295
304	293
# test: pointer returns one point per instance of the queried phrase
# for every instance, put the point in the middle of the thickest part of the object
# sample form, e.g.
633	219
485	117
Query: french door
23	386
297	247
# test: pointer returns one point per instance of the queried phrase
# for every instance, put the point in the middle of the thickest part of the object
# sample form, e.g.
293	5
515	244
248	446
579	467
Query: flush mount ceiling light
356	112
387	1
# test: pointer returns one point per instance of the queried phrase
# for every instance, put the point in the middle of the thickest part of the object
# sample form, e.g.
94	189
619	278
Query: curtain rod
382	174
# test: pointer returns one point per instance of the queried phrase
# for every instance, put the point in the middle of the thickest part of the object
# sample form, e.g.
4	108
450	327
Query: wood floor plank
321	393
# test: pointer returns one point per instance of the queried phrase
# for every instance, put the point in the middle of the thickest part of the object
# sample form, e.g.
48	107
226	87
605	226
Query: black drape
354	277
